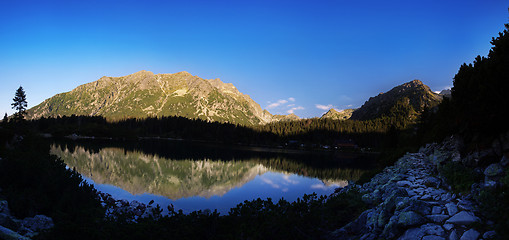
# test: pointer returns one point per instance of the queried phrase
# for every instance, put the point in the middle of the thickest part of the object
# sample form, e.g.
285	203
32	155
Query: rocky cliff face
145	94
414	95
338	115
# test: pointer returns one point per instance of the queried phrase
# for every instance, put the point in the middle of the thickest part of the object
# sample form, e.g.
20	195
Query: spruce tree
20	104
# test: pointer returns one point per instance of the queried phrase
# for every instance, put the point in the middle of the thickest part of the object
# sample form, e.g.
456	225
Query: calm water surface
195	176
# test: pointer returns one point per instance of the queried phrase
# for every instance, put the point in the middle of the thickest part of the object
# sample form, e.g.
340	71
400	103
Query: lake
197	176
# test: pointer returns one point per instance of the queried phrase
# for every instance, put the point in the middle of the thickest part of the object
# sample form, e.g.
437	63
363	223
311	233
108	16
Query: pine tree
20	104
5	120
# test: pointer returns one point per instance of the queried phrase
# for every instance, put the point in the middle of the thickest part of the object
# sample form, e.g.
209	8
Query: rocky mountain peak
414	94
338	115
144	94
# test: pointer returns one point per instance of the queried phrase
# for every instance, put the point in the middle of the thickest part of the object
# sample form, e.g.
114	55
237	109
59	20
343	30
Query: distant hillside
409	98
289	117
145	94
341	115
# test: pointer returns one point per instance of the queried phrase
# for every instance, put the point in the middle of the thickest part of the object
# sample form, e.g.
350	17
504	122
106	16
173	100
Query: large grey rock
448	226
437	218
433	229
432	182
494	170
373	198
432	237
8	221
436	210
390	202
453	235
358	224
470	235
8	234
4	207
463	218
489	235
418	206
412	234
452	209
404	183
409	219
391	229
38	223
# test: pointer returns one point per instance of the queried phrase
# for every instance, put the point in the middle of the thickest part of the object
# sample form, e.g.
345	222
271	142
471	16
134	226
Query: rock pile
410	201
15	229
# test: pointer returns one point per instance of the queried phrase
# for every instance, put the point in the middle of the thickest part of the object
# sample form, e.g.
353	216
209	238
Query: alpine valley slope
145	94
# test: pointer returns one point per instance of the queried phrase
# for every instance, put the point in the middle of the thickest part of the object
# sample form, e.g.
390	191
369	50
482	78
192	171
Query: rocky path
408	201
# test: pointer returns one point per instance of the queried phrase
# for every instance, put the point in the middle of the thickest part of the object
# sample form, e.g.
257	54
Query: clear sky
289	56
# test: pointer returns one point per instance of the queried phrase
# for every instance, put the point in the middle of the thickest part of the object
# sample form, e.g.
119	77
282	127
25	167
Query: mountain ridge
145	94
411	97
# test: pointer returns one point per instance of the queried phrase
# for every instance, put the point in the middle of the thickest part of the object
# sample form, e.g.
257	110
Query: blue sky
289	56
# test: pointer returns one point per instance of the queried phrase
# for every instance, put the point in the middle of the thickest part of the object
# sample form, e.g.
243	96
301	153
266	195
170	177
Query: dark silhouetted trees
19	104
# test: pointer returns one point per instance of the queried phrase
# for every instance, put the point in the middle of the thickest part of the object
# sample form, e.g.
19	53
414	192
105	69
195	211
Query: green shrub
458	176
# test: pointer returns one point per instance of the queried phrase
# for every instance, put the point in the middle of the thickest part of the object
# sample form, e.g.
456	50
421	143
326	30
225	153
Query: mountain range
145	94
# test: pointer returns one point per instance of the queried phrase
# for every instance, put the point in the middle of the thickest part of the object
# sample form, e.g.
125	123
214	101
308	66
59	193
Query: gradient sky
289	56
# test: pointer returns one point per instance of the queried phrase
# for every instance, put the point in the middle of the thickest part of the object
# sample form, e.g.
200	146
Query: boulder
4	207
391	229
489	235
494	170
432	182
38	223
358	224
436	210
463	218
433	229
409	219
470	235
391	201
452	209
432	237
453	235
412	234
418	206
437	218
448	226
404	183
8	234
8	221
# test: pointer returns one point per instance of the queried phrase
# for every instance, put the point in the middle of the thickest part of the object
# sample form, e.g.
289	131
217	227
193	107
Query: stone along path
408	202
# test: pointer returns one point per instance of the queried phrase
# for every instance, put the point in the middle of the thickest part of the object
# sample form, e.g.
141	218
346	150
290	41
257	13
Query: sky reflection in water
196	184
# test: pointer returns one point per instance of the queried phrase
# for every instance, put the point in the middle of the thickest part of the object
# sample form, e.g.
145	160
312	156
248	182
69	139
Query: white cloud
290	105
270	182
288	180
278	103
291	99
292	110
323	107
349	105
319	186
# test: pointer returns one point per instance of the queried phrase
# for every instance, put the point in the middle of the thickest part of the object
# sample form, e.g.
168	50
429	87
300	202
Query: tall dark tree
5	120
20	104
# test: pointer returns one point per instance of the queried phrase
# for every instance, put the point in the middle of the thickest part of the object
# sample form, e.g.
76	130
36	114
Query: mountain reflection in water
226	178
